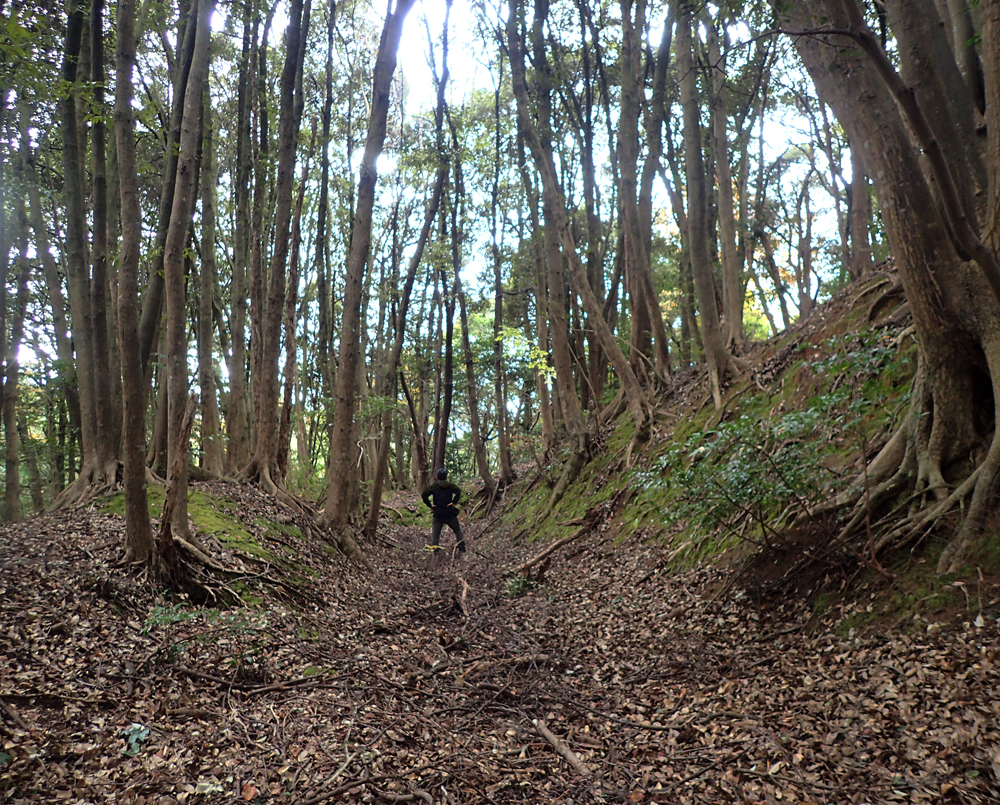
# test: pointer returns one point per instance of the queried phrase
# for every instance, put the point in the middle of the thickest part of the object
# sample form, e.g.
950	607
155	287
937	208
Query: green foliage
135	736
516	586
762	465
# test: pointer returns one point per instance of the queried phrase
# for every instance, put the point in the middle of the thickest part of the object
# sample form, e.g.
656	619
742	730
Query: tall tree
178	234
719	360
139	544
339	503
944	226
211	431
264	465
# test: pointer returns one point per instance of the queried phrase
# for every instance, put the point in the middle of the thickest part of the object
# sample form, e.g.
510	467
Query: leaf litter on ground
612	681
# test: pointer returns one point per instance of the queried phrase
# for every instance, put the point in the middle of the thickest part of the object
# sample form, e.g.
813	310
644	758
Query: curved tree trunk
954	410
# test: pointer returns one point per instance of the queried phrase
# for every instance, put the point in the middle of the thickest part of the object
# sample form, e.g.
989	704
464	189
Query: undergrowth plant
749	475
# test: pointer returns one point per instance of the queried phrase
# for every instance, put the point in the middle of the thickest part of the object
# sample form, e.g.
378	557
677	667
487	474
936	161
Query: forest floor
439	680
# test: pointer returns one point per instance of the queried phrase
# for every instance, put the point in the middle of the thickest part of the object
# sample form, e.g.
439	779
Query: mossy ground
265	541
717	486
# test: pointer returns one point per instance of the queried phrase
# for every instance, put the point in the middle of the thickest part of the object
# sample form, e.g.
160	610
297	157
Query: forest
720	278
206	275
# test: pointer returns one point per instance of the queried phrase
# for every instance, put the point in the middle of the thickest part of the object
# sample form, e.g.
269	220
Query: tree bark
337	510
107	445
720	362
954	315
211	435
238	451
12	458
264	466
139	543
732	286
77	273
173	263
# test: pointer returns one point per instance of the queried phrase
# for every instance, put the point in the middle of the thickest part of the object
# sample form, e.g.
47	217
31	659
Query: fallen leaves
393	687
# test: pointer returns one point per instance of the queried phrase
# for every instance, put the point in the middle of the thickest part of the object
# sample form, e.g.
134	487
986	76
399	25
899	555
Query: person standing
442	496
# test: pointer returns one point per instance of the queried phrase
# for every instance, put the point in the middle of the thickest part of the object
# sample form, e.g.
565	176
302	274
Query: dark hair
442	474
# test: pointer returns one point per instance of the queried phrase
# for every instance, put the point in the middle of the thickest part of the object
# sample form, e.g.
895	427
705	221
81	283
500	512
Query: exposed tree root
92	482
908	473
984	497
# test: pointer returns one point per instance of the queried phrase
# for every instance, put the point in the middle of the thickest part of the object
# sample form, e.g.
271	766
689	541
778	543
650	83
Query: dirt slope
612	681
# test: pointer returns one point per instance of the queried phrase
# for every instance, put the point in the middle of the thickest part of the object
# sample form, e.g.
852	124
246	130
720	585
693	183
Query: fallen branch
418	794
568	754
555	546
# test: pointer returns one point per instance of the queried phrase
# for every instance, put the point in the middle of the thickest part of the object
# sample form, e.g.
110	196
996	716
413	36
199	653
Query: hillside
686	646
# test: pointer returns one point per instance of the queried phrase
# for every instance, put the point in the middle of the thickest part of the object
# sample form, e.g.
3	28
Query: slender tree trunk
139	544
720	362
238	453
860	218
30	451
499	396
472	382
173	265
107	446
264	466
324	296
732	286
338	506
211	435
152	303
78	275
12	372
541	335
648	329
290	320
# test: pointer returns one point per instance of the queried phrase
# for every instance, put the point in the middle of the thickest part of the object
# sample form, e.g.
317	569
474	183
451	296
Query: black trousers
454	525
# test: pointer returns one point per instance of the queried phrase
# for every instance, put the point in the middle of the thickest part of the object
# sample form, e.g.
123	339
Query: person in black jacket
443	496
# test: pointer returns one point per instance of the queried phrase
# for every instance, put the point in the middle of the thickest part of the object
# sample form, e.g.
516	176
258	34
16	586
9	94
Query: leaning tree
928	131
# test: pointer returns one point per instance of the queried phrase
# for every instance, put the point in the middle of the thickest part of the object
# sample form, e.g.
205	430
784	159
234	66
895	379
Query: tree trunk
499	386
472	382
12	372
954	312
77	273
211	435
238	451
264	466
290	370
152	303
861	217
732	286
107	445
139	544
173	264
335	512
720	362
30	451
